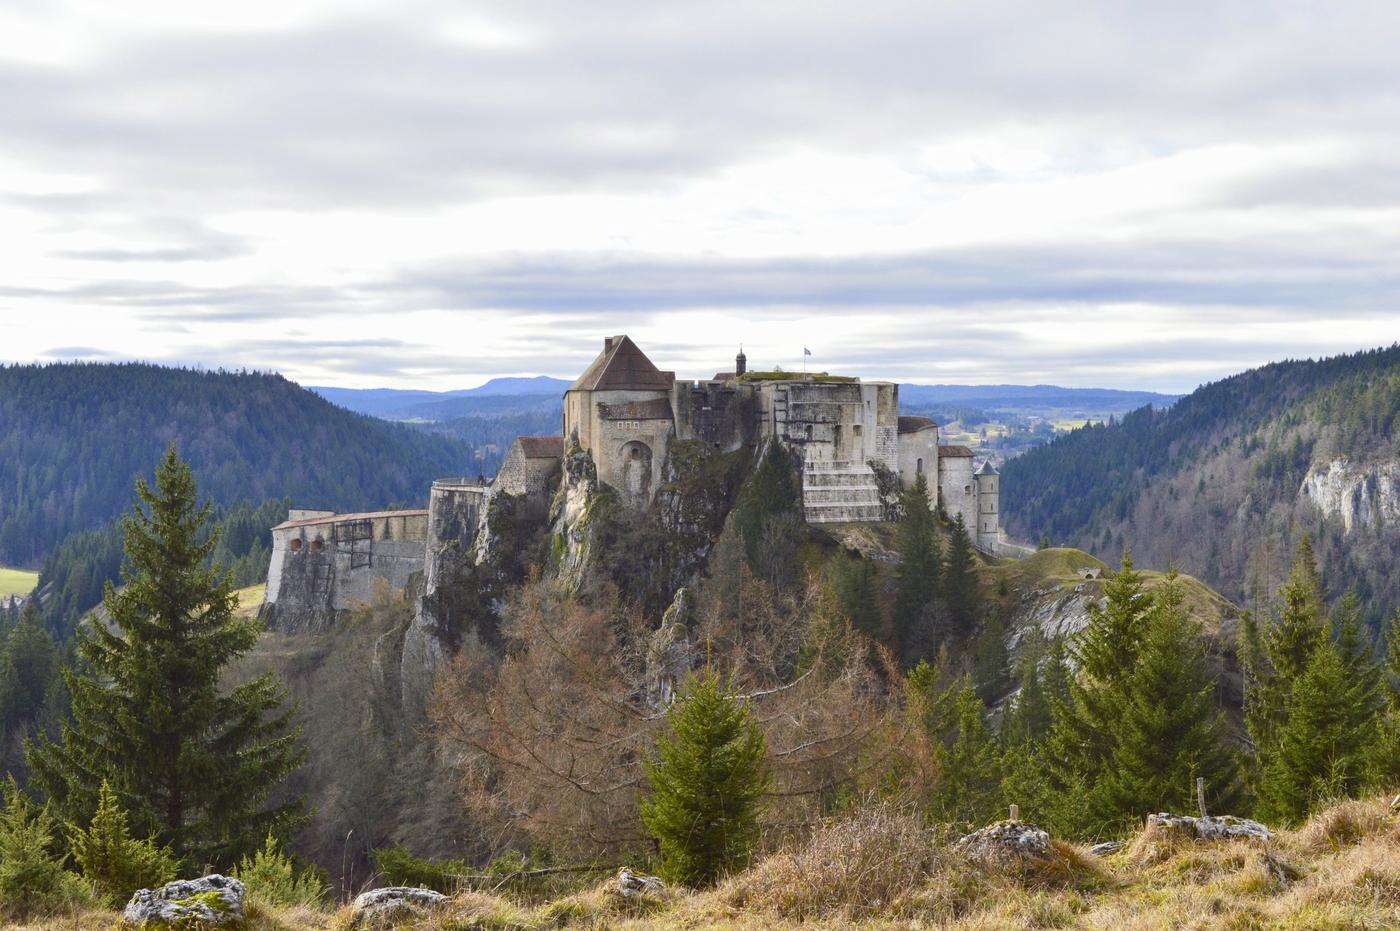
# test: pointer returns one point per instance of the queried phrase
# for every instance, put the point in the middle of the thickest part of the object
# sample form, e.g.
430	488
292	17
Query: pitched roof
915	424
955	452
655	409
341	518
621	366
541	447
987	469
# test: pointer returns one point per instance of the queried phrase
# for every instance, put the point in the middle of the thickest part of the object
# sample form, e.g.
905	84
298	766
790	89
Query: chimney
741	362
607	343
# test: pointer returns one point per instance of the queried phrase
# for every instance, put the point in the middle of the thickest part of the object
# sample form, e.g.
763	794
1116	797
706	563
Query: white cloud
1115	194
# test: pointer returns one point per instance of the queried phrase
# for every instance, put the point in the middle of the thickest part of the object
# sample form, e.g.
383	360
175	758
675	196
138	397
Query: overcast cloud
424	194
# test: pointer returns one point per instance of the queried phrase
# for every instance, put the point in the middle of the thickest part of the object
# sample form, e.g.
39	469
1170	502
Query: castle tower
741	362
988	533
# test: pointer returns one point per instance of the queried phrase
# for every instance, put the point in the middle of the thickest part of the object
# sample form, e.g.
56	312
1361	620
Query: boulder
1222	827
1006	841
395	903
631	885
1106	848
210	900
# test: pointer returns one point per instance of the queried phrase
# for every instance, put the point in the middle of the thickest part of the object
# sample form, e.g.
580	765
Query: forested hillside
1224	482
74	437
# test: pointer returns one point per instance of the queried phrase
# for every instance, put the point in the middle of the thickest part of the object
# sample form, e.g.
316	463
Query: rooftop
915	424
621	366
955	452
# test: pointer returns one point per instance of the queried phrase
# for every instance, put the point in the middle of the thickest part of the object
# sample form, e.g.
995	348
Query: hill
1225	482
74	438
498	397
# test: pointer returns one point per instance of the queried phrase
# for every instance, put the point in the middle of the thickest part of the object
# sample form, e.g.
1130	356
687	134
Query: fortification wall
957	491
322	565
722	415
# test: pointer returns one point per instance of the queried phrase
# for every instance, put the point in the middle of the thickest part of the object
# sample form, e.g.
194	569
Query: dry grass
882	869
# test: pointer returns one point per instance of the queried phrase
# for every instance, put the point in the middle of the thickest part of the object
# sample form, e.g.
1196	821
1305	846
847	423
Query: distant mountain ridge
74	437
542	394
1225	482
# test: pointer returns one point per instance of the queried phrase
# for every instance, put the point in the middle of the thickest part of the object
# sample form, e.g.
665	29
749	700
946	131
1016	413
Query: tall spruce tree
1285	648
197	764
1086	722
990	662
707	781
969	780
1169	731
917	580
769	516
1320	753
960	588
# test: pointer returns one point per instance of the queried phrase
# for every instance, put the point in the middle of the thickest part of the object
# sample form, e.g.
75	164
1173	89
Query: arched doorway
636	470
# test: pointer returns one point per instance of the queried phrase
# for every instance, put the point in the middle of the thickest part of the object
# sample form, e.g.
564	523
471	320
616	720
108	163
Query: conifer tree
960	586
32	877
1287	647
1086	722
1169	731
990	660
1044	688
917	580
769	513
969	783
272	877
708	781
854	584
1392	660
1321	748
111	859
197	763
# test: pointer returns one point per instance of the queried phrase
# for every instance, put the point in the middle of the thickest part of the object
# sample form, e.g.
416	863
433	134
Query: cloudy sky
422	194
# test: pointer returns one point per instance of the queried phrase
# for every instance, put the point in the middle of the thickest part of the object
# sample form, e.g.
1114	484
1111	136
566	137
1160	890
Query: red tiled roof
621	366
915	424
656	409
339	518
956	452
541	447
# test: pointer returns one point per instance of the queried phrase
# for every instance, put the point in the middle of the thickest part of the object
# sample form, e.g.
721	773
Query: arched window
919	467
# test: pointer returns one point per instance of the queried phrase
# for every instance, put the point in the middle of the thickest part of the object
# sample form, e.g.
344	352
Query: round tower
988	532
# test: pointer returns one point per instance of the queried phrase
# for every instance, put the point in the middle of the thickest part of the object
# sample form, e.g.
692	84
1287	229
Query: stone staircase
840	492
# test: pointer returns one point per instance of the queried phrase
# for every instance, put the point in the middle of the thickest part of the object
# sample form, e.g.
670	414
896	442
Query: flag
806	351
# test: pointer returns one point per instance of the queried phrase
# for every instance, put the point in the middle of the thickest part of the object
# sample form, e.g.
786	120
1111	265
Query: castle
625	413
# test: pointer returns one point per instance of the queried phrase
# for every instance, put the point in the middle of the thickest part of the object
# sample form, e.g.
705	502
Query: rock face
631	885
1223	827
1359	496
395	903
211	900
1006	841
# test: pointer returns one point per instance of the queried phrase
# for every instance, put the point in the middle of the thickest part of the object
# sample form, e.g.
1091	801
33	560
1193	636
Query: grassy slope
17	581
1341	870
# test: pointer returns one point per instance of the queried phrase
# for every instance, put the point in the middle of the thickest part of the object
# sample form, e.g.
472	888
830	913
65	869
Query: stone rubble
1006	840
395	903
1222	827
632	885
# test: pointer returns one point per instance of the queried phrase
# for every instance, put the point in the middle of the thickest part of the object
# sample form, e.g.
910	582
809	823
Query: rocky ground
883	869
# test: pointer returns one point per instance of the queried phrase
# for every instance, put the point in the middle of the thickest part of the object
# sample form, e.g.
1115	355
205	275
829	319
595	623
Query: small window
317	545
919	467
295	544
967	489
855	428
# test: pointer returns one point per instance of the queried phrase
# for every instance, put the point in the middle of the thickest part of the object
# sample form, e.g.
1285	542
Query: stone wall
324	564
918	452
957	491
717	413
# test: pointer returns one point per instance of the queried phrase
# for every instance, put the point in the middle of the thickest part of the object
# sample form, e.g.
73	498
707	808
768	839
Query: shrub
271	876
112	860
401	868
32	880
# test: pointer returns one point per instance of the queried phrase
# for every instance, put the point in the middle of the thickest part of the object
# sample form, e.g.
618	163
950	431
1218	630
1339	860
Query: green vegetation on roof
794	376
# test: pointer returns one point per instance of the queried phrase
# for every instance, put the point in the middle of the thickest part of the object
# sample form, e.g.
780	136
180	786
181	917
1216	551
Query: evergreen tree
32	877
111	859
769	516
969	782
198	764
854	582
1169	732
960	588
990	660
1044	687
271	877
707	781
1321	749
917	579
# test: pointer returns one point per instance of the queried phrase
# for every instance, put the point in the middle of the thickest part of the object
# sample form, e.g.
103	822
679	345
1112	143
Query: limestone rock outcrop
1360	496
1222	827
211	900
394	904
632	885
1005	842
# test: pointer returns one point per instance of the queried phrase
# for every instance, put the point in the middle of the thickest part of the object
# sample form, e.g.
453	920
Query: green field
17	581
